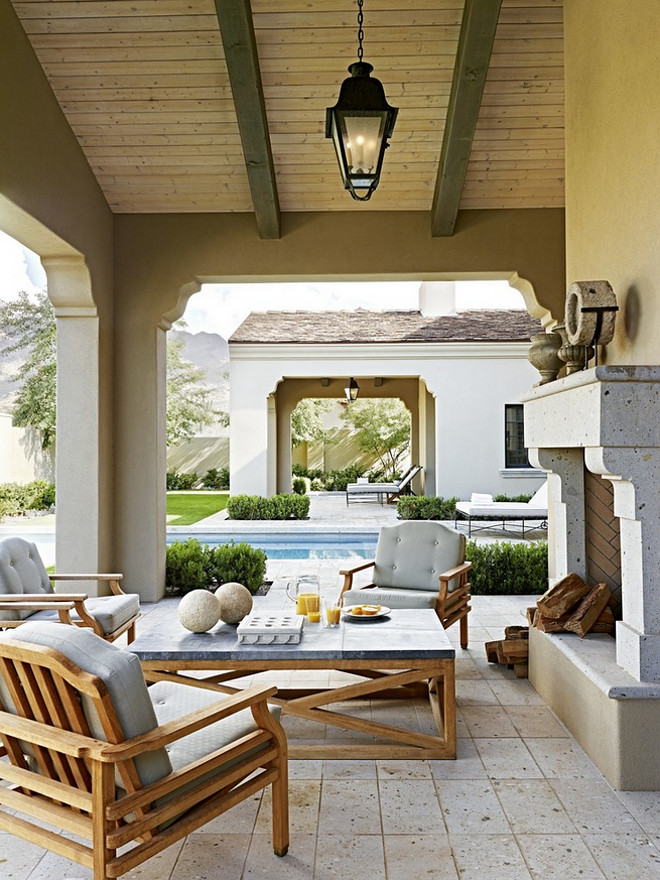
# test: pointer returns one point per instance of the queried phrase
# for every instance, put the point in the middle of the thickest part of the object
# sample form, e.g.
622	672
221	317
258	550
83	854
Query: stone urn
543	355
576	357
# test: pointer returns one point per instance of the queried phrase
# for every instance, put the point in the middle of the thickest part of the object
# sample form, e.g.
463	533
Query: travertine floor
522	800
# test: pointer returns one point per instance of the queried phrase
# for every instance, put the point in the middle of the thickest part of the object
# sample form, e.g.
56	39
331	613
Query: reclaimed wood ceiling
145	87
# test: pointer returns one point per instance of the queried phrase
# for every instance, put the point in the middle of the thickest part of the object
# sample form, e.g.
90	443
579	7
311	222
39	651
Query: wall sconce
352	390
360	124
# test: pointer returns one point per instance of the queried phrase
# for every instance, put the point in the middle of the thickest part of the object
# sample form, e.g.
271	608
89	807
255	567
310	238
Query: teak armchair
26	592
418	564
116	766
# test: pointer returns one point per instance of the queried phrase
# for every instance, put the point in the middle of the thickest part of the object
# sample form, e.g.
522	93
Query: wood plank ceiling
145	87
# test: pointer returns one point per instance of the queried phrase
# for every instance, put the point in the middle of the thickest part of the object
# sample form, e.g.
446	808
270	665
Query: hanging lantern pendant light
360	124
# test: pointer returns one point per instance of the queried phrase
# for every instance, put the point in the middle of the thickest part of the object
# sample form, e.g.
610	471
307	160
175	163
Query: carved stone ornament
543	355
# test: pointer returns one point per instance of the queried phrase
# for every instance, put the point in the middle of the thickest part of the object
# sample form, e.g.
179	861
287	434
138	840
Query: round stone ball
199	611
235	602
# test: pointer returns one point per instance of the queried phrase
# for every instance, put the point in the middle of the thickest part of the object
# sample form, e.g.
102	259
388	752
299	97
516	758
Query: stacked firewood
573	606
512	650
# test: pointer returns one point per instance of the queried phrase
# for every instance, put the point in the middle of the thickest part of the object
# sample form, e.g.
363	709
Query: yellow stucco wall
613	163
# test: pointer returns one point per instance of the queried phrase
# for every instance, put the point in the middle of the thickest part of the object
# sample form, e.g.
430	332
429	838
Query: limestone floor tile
349	769
561	758
559	857
239	820
19	858
466	668
531	806
263	864
491	671
416	856
536	721
594	807
626	856
470	806
474	693
159	867
207	856
645	807
349	809
487	721
409	806
515	692
506	758
339	857
304	799
299	769
488	857
403	769
468	764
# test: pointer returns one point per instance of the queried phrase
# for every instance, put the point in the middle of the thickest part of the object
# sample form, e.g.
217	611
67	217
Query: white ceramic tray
273	629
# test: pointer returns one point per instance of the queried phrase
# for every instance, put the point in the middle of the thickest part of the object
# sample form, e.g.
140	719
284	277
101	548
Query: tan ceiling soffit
237	29
475	45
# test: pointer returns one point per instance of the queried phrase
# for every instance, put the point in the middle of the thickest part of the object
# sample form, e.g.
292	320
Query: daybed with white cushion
483	507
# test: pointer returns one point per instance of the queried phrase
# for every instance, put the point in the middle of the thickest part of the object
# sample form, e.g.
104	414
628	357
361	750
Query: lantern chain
360	30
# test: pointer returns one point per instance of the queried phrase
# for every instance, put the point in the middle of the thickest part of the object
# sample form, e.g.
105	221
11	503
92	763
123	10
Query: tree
28	327
306	422
188	405
382	428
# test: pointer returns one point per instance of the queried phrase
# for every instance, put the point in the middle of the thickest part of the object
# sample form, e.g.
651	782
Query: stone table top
401	635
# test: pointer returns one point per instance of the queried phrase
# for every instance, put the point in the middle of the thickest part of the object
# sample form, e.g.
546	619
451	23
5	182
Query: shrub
282	506
190	565
299	486
216	479
176	481
315	486
336	481
238	562
523	498
17	498
505	568
426	507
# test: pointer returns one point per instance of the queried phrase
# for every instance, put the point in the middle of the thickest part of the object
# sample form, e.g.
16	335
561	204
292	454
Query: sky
220	308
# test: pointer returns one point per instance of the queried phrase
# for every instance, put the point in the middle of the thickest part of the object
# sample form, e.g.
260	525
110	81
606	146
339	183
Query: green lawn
186	508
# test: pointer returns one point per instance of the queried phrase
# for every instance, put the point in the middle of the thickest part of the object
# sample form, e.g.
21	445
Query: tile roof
485	325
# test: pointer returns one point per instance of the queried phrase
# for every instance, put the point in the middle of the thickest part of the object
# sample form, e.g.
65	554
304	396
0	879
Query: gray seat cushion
111	612
391	598
21	571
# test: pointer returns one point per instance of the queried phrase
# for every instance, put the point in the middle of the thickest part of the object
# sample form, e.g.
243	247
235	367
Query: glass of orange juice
332	614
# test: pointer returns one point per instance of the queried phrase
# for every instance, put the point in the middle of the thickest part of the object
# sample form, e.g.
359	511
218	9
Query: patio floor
521	801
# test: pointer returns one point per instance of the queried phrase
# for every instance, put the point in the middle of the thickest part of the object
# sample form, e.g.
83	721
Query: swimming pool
289	545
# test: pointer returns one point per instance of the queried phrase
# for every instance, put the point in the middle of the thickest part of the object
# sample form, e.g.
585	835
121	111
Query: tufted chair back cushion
412	554
119	670
21	571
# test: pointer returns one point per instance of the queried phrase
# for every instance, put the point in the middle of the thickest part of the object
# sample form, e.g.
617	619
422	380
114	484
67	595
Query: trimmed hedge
17	498
190	565
507	568
299	486
282	506
216	479
426	507
175	480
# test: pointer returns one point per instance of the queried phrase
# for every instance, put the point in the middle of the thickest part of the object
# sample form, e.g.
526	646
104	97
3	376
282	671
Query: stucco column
635	477
284	410
83	536
250	430
567	551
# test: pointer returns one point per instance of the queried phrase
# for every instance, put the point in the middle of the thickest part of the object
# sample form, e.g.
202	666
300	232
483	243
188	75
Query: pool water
288	545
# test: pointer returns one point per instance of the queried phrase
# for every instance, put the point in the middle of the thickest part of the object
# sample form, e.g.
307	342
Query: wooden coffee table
406	654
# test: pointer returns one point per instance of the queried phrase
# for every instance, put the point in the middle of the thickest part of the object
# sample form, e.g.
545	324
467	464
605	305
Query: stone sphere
199	611
235	602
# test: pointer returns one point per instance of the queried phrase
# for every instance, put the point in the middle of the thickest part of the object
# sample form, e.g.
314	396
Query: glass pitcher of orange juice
307	596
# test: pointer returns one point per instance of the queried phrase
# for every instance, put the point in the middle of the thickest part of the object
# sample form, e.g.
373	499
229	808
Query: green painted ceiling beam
237	29
475	45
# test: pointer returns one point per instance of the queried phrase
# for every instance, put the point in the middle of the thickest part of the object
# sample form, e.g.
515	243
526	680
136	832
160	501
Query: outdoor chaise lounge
103	770
482	507
418	564
383	491
26	593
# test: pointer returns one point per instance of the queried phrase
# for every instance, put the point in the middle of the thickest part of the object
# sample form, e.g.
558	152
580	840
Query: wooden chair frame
73	790
64	603
449	606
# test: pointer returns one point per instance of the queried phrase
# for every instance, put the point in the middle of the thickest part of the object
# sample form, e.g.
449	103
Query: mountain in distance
209	352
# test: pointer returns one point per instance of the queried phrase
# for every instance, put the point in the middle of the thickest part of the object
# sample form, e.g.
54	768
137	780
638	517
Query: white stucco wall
21	456
471	383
